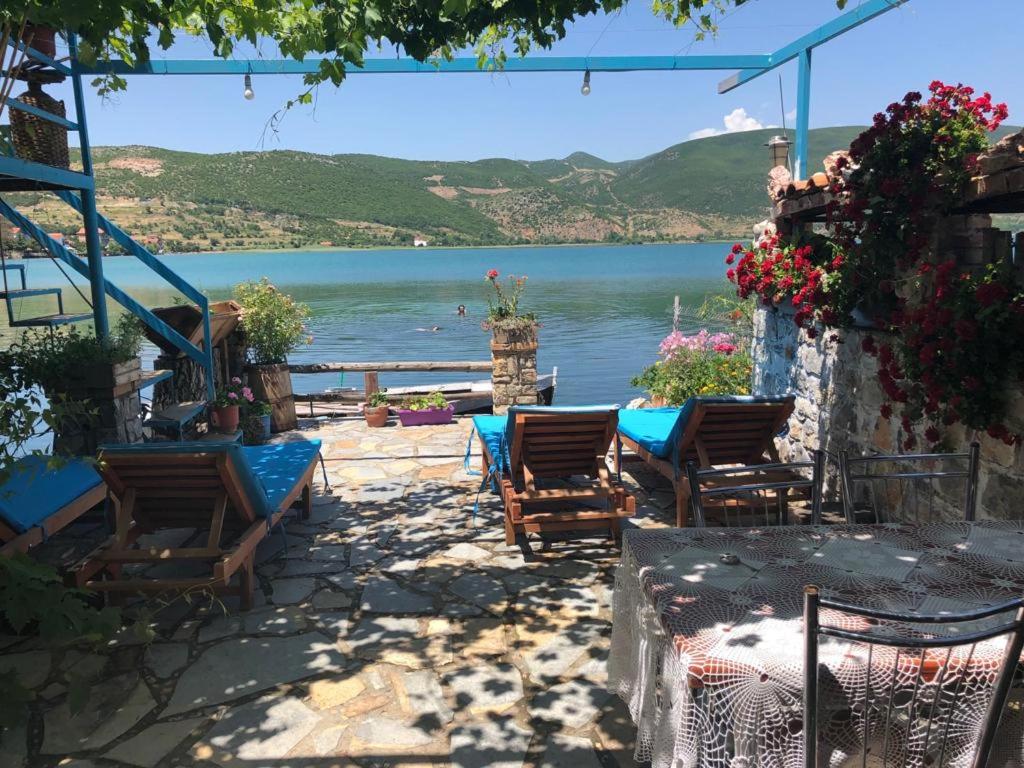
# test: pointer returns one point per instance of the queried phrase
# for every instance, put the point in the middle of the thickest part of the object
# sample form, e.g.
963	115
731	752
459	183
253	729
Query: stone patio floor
391	629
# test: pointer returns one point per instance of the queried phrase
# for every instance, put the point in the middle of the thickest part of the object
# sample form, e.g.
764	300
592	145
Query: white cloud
791	115
736	121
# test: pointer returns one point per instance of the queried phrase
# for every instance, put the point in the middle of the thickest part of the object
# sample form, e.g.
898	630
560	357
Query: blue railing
62	181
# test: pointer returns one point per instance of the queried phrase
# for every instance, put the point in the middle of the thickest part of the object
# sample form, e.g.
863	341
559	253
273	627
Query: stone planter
273	384
376	417
112	392
513	368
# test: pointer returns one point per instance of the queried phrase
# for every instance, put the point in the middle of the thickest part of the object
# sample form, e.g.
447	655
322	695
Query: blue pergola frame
748	66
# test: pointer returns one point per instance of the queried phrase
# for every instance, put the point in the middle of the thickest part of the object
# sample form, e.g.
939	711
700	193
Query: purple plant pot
429	416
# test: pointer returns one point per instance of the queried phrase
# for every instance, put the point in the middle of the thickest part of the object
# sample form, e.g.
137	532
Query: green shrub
274	323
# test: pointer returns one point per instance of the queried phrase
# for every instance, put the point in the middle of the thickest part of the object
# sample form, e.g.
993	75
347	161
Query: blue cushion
33	492
492	431
652	428
659	429
280	465
263	476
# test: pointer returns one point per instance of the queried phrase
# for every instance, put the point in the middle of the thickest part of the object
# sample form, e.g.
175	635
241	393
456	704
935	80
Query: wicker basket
36	138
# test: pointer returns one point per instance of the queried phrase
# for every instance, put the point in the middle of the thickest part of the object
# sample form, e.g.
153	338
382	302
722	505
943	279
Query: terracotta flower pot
376	417
225	417
43	39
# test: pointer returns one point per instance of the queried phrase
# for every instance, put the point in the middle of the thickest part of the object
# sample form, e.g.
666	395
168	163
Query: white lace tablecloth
708	653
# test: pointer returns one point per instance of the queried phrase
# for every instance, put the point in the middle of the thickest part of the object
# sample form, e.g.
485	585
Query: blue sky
628	115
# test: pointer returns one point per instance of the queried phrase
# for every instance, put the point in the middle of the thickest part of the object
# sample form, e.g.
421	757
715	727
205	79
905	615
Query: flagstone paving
390	629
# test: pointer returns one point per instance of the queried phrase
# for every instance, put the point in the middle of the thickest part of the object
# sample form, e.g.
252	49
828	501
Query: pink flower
247	394
232	396
235	380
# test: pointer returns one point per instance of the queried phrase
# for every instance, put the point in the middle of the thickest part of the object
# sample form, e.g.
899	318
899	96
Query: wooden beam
405	365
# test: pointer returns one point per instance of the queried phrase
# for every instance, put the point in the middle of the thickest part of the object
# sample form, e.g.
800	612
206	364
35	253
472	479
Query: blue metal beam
42	58
58	251
803	113
61	121
411	66
93	247
828	31
46	174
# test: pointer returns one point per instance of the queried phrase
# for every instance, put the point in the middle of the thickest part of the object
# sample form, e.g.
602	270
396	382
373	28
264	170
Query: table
707	652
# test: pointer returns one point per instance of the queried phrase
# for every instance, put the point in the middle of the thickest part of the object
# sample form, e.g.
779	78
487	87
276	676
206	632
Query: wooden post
370	383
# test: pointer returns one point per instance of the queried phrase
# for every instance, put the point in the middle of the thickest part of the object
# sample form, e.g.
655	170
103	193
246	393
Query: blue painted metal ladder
78	191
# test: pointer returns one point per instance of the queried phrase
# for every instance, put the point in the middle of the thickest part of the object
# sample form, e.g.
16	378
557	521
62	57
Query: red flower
932	435
492	274
730	258
988	294
737	247
886	411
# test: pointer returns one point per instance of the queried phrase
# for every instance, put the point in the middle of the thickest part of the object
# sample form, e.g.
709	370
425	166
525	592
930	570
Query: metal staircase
77	189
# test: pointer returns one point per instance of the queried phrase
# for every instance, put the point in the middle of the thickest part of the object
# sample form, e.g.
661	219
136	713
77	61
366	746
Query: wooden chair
236	494
929	694
37	501
710	431
551	467
754	495
901	488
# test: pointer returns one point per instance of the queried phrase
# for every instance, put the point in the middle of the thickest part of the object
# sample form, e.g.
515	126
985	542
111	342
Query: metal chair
758	494
909	485
933	709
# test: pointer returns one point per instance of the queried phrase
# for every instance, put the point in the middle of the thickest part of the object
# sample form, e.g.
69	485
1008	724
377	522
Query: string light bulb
585	88
249	93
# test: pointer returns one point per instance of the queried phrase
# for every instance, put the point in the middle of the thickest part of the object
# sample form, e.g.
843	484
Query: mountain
701	189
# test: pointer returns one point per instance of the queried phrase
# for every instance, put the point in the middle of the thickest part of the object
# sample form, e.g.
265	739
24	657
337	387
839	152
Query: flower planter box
424	417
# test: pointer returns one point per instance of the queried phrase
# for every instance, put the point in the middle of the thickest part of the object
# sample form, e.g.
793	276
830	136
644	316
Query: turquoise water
604	309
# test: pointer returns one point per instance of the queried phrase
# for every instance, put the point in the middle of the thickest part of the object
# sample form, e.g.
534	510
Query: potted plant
427	409
72	366
376	409
255	422
506	324
274	325
226	405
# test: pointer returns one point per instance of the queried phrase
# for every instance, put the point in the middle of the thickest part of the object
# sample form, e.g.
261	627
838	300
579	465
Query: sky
627	115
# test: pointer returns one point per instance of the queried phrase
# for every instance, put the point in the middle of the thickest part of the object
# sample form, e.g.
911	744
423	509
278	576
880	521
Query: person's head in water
462	310
435	328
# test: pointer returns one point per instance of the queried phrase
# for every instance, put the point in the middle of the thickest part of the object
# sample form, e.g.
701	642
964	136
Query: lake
604	309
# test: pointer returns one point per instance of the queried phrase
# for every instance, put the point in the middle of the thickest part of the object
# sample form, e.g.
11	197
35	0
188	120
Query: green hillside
700	189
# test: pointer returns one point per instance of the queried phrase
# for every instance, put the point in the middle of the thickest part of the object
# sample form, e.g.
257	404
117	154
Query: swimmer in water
461	310
433	329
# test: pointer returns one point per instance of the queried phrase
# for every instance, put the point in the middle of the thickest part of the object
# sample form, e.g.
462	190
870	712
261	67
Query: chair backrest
173	481
918	690
913	488
559	442
716	431
758	494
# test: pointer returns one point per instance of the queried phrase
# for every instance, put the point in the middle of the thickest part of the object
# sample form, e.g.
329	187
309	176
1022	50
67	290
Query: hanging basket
36	138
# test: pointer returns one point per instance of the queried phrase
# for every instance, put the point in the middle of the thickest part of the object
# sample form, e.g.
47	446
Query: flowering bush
779	272
953	335
503	305
702	364
274	323
233	393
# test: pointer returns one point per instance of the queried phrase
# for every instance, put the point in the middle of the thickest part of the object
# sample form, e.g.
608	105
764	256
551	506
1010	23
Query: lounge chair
709	431
550	466
235	493
37	501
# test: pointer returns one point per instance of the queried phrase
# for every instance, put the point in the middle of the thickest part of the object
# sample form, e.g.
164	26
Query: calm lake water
604	309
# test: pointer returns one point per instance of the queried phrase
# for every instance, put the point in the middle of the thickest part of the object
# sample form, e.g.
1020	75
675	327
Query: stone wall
112	394
189	382
837	408
513	370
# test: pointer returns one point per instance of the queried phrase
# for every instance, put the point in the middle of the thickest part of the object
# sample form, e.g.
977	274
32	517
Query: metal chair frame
794	481
813	630
848	465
